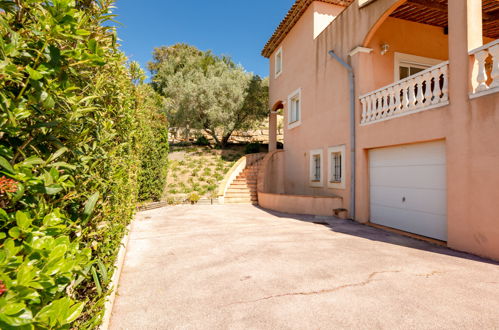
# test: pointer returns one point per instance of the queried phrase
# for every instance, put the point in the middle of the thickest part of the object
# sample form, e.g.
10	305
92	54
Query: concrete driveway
240	267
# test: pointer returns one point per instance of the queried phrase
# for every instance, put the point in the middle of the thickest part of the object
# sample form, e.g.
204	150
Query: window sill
294	124
336	185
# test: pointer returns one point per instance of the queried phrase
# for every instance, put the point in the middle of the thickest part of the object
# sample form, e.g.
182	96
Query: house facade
391	117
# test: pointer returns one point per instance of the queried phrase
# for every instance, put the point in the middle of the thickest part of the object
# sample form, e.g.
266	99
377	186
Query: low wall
300	204
270	174
271	194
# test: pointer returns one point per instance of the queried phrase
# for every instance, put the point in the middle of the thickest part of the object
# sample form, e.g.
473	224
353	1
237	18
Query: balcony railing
485	79
423	91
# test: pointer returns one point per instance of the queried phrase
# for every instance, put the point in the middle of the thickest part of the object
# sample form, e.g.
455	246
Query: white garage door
408	188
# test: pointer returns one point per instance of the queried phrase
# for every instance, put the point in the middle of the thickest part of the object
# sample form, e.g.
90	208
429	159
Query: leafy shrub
154	155
252	148
73	149
193	198
202	141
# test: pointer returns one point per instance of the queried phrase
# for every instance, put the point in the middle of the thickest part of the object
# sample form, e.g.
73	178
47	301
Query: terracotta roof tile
292	17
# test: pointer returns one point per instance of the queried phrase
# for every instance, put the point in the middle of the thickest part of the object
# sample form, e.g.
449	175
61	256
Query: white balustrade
485	76
426	90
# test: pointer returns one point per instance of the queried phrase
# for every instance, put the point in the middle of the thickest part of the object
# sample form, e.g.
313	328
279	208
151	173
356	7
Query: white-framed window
316	168
407	65
294	109
336	170
278	62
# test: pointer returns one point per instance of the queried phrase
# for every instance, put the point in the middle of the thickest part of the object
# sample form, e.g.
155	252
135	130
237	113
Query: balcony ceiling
434	12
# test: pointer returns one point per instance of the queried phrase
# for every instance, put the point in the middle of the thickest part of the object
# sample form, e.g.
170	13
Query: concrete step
241	181
240	190
241	195
240	201
242	184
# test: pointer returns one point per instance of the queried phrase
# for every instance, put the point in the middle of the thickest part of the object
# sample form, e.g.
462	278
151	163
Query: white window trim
277	74
313	182
291	96
336	185
400	58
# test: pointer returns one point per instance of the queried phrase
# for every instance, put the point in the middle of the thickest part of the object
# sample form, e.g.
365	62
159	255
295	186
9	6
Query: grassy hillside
195	172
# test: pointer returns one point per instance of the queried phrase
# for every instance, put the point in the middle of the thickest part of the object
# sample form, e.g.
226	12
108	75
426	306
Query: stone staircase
243	190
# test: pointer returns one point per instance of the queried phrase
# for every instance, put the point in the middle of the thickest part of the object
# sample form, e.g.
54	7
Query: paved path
240	267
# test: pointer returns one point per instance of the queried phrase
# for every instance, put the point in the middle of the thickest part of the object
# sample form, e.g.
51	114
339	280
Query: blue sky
236	28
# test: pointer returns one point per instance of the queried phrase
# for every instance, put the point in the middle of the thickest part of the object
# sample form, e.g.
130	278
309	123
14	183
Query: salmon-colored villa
391	117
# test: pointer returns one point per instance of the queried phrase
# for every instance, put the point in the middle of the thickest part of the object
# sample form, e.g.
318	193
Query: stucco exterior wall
470	129
425	40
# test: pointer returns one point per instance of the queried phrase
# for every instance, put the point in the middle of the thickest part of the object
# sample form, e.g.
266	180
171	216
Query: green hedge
77	151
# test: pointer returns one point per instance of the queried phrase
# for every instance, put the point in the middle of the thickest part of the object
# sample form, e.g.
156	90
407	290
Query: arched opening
412	36
408	65
276	126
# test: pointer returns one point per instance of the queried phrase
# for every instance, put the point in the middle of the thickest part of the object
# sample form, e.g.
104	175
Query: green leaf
57	154
15	232
2	235
23	318
24	275
92	45
6	165
53	189
33	74
52	219
22	220
102	271
3	215
74	312
58	252
29	162
90	205
18	194
96	280
82	32
12	308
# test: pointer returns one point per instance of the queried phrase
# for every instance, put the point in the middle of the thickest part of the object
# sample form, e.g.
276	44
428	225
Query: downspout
351	78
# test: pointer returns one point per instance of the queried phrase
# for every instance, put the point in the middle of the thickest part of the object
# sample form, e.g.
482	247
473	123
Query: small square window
316	168
278	63
336	170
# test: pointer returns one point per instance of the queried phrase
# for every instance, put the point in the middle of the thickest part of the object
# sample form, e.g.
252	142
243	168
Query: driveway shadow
353	228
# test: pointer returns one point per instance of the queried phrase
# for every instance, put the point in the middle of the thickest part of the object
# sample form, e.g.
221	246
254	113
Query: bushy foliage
71	145
252	148
208	92
154	150
202	141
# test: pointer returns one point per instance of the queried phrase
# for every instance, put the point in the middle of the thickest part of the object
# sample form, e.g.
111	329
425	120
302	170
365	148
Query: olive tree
208	92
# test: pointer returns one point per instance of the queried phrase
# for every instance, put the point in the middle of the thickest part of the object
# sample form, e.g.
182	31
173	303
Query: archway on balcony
274	129
413	36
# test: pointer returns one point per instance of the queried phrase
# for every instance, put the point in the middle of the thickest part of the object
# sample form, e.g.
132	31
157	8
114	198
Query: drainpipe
351	78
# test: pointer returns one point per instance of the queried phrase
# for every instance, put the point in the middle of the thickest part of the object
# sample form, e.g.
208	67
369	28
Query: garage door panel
429	176
408	188
424	200
409	155
429	225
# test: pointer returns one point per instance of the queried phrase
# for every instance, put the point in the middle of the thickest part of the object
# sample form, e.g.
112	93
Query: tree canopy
208	92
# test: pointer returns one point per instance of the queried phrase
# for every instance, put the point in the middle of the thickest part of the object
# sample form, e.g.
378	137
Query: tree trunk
225	140
214	136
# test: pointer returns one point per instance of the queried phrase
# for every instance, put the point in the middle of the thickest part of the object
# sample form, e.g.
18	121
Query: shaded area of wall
272	195
299	204
474	179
